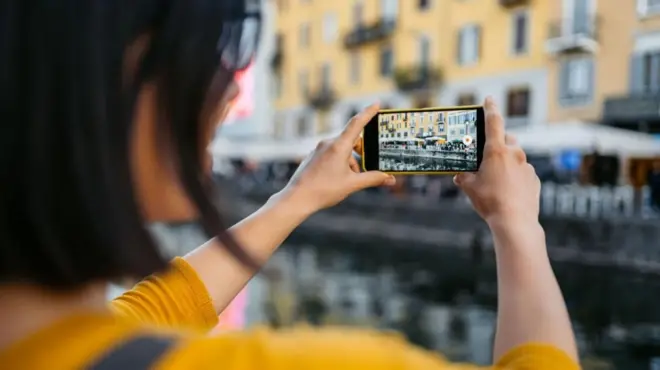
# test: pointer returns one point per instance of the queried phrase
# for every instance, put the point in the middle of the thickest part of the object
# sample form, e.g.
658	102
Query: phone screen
428	140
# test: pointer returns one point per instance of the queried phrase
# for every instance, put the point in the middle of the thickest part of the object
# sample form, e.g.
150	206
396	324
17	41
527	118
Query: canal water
442	299
448	306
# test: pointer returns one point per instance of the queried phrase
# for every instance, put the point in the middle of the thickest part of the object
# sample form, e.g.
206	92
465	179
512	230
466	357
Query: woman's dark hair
68	213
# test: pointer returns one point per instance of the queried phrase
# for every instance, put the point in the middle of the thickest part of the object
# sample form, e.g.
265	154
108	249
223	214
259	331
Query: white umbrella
585	137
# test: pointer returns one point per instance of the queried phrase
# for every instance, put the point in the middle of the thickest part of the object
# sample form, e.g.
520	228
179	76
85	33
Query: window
651	72
517	103
645	73
278	85
302	126
330	27
469	44
520	31
389	9
386	60
326	76
358	9
647	7
303	81
279	131
424	51
354	68
577	81
466	99
303	36
423	4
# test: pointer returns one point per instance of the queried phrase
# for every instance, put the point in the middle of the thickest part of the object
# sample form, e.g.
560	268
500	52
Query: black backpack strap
139	353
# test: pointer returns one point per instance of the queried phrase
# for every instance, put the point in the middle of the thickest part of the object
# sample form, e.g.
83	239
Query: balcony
570	35
364	34
632	109
322	99
417	78
512	3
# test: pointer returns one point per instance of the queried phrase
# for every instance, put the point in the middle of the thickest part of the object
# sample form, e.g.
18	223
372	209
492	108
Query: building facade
588	49
497	50
542	61
635	104
414	127
334	59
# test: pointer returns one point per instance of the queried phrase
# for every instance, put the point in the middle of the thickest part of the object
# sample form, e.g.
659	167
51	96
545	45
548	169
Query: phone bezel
370	146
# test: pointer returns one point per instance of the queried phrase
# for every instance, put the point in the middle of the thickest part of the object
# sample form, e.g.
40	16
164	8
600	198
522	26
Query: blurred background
578	82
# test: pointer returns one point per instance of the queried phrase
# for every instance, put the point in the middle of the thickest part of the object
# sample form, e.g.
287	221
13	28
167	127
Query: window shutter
591	78
654	78
564	75
636	76
477	43
642	6
459	46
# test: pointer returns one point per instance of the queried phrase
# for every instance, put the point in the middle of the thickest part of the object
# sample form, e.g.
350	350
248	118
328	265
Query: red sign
243	105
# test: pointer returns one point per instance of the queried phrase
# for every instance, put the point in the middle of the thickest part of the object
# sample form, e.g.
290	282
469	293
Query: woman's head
107	109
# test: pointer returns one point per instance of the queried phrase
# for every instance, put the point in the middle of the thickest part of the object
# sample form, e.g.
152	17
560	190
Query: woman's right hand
330	173
506	190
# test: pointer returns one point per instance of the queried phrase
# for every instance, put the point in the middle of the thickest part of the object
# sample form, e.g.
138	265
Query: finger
357	146
510	140
494	124
355	126
464	180
519	154
353	164
371	179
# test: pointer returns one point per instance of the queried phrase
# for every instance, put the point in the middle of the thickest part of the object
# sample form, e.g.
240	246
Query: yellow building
497	49
589	47
541	60
417	127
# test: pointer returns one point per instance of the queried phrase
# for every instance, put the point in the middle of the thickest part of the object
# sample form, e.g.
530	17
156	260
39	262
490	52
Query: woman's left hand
330	173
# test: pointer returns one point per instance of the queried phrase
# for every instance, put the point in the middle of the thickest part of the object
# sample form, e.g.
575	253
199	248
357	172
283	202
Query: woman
107	109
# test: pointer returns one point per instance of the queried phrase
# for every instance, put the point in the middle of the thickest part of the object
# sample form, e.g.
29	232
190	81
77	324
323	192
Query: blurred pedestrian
654	185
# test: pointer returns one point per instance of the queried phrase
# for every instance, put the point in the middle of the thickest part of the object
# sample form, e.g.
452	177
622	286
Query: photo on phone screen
440	140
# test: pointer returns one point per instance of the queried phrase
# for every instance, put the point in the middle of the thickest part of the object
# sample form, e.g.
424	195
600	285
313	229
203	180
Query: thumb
373	178
464	180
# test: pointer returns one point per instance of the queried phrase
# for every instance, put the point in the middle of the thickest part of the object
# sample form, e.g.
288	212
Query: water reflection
446	302
394	162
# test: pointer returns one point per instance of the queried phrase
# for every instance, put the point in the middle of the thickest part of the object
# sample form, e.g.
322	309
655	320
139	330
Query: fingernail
489	102
457	180
390	181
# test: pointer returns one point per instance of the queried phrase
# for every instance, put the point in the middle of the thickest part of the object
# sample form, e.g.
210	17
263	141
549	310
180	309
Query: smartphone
425	141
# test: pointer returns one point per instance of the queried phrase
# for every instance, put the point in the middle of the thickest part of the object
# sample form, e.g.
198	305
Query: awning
586	137
264	149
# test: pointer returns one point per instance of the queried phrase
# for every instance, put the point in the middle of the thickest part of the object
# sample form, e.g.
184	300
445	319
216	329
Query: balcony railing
632	108
418	78
322	99
570	35
365	34
512	3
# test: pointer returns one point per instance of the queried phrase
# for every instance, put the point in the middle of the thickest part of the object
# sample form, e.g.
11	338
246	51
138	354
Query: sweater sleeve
340	348
174	299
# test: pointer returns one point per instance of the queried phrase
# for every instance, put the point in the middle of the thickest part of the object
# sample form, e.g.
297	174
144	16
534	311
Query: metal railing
570	27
